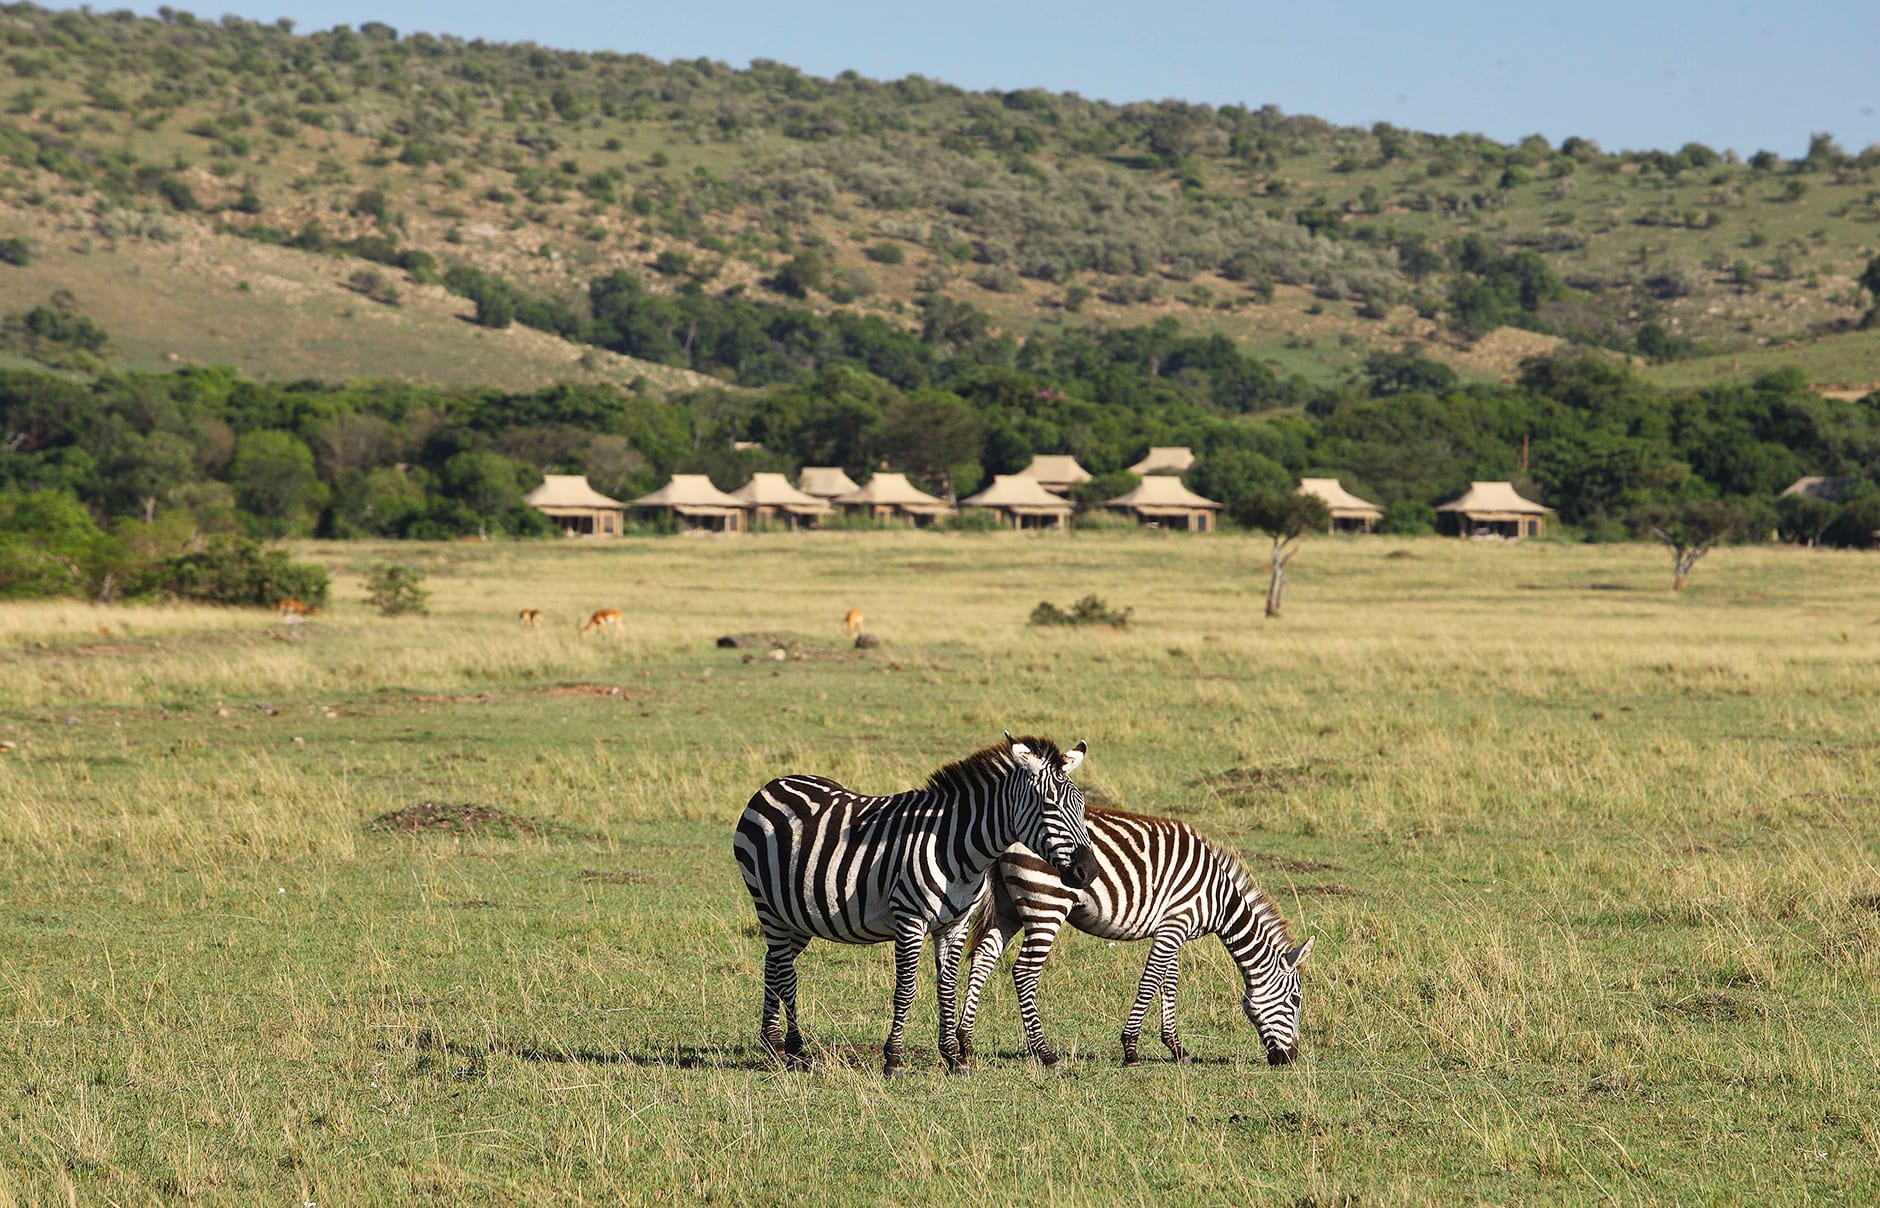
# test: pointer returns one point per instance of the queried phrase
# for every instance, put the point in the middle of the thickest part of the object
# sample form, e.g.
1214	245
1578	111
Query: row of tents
1033	498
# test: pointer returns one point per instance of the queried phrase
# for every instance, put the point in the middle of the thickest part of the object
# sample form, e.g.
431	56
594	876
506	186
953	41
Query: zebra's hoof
892	1071
960	1067
1047	1058
1182	1059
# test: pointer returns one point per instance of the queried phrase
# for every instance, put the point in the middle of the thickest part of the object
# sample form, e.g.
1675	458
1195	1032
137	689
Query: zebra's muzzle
1278	1056
1083	869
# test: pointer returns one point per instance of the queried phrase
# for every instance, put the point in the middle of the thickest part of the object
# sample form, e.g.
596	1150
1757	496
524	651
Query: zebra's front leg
780	956
1156	973
1040	935
947	945
985	960
1169	1037
909	932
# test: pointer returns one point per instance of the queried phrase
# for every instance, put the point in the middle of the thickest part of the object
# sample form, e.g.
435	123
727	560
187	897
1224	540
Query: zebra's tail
986	911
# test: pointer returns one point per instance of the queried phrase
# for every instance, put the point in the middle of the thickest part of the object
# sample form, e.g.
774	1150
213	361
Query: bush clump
1091	610
234	570
396	589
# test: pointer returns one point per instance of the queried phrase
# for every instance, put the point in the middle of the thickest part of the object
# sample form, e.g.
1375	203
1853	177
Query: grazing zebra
823	861
1155	878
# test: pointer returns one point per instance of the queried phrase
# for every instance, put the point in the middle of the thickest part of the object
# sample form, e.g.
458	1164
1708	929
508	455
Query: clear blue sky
1648	73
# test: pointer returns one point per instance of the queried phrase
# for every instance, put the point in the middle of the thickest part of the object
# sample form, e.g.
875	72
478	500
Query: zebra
1155	877
823	861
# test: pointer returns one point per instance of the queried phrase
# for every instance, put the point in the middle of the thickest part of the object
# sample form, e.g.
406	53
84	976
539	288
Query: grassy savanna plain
1594	872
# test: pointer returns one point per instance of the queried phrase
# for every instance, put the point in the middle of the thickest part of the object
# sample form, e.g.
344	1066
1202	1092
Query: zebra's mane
989	763
1268	921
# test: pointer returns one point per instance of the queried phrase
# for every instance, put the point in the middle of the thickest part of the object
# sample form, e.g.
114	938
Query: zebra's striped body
1157	879
825	862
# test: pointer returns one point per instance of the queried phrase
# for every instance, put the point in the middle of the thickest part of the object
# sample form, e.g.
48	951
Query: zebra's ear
1074	757
1021	754
1297	956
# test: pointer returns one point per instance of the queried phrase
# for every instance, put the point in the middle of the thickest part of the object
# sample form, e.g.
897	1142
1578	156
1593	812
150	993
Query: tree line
207	451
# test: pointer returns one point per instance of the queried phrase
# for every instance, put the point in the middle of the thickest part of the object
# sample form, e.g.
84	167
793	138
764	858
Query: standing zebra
1156	878
822	861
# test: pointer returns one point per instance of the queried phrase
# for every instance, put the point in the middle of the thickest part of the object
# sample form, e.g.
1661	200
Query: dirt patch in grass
1331	889
457	818
1712	1004
1286	864
594	876
1252	782
585	690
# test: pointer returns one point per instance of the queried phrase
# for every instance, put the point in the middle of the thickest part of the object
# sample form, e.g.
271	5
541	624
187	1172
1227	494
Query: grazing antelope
607	619
530	618
291	609
853	621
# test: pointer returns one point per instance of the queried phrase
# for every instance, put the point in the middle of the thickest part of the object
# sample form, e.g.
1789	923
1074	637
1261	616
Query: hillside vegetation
1301	241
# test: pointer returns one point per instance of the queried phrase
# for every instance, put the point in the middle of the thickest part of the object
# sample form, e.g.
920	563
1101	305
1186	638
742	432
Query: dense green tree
276	484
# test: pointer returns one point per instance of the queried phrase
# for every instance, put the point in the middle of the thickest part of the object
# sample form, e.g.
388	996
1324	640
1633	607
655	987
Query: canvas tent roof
1337	498
1164	459
1160	493
1018	492
825	481
1490	498
774	490
689	493
893	488
568	491
1055	467
1818	486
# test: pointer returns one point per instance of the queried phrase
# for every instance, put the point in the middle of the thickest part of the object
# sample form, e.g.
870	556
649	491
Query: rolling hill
241	194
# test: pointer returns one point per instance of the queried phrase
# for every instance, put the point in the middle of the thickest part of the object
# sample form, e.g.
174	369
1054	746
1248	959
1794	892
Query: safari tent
1492	509
1350	514
696	504
1057	472
772	500
1022	502
1161	499
825	482
576	508
1165	459
890	496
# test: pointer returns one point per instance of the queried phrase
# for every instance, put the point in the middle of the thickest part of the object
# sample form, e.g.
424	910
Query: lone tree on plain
1286	518
1693	530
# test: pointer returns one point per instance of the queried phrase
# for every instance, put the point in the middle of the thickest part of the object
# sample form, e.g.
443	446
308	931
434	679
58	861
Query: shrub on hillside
234	571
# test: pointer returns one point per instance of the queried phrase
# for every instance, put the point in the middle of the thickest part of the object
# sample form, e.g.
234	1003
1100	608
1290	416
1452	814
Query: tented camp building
1022	503
696	504
1165	459
1350	514
825	482
1161	499
773	501
890	496
1492	509
1057	472
576	508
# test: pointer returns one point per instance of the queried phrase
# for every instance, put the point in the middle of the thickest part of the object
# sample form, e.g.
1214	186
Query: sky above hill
1643	74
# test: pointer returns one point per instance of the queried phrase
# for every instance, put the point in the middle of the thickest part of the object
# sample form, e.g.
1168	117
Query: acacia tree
1693	530
1286	518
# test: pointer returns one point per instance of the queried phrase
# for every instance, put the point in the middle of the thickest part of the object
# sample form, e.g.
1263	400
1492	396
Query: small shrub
1091	610
396	589
884	252
234	571
15	252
